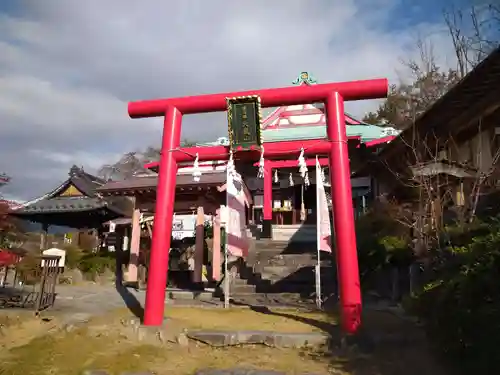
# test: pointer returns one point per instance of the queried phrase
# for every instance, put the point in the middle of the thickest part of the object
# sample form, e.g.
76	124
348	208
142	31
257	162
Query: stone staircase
294	233
282	267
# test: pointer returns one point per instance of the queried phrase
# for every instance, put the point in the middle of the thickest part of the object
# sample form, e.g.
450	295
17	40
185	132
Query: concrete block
274	339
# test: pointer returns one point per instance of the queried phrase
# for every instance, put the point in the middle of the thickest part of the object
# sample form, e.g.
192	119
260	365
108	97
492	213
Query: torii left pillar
162	229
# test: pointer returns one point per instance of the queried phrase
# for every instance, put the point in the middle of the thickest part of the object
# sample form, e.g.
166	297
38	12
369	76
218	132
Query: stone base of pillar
267	229
199	286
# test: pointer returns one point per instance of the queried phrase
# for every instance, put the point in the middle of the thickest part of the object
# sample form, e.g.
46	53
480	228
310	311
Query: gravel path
98	299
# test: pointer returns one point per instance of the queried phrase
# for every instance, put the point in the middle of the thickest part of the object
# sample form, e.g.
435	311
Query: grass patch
279	320
72	353
241	319
84	348
14	318
20	327
186	361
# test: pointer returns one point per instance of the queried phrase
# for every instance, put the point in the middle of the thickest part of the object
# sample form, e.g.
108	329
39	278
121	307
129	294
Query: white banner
324	239
237	241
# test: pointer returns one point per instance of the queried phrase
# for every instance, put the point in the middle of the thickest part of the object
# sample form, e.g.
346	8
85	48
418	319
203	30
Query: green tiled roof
366	132
293	133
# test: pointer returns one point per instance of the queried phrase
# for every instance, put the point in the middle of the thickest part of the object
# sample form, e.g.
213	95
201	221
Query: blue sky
68	68
408	12
13	7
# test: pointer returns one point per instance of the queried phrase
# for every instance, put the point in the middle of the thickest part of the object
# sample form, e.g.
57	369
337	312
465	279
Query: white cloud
68	68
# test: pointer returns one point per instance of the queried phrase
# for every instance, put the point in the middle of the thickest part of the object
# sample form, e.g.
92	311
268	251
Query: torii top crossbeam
305	94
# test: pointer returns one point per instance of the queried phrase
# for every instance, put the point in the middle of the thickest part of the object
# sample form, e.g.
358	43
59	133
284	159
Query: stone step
287	262
239	281
189	295
284	228
273	280
242	288
300	288
284	296
303	238
292	267
294	279
290	261
287	256
283	285
288	271
276	243
298	231
294	229
282	247
294	226
284	271
270	293
296	276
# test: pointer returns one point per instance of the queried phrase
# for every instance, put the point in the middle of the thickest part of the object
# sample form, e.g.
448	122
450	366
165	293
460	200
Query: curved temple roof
76	195
308	122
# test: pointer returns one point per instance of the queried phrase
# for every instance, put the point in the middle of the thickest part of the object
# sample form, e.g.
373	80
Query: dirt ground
39	346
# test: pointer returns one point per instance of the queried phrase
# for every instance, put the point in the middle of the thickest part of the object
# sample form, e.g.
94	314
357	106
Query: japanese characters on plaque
244	122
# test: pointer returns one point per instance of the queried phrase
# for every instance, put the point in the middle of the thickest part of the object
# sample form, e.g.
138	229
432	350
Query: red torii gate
333	96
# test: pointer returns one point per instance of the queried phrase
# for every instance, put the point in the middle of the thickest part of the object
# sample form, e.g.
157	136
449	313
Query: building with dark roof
451	152
75	203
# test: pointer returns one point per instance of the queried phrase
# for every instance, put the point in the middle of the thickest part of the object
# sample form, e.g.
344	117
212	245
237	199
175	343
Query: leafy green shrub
96	263
461	304
74	255
396	250
65	280
208	229
29	269
382	242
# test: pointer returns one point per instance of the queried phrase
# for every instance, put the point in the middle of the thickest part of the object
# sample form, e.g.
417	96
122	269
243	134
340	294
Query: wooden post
4	279
135	242
44	237
216	243
199	245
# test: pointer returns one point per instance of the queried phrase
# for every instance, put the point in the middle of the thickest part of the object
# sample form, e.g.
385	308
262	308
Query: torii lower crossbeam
333	96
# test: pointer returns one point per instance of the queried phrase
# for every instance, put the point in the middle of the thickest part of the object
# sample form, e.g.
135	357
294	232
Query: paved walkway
98	299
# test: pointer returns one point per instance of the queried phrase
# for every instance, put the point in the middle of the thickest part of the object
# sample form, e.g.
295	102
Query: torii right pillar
343	215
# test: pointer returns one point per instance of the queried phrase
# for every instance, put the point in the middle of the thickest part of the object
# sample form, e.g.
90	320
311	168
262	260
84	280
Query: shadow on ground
130	301
387	344
128	298
330	328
